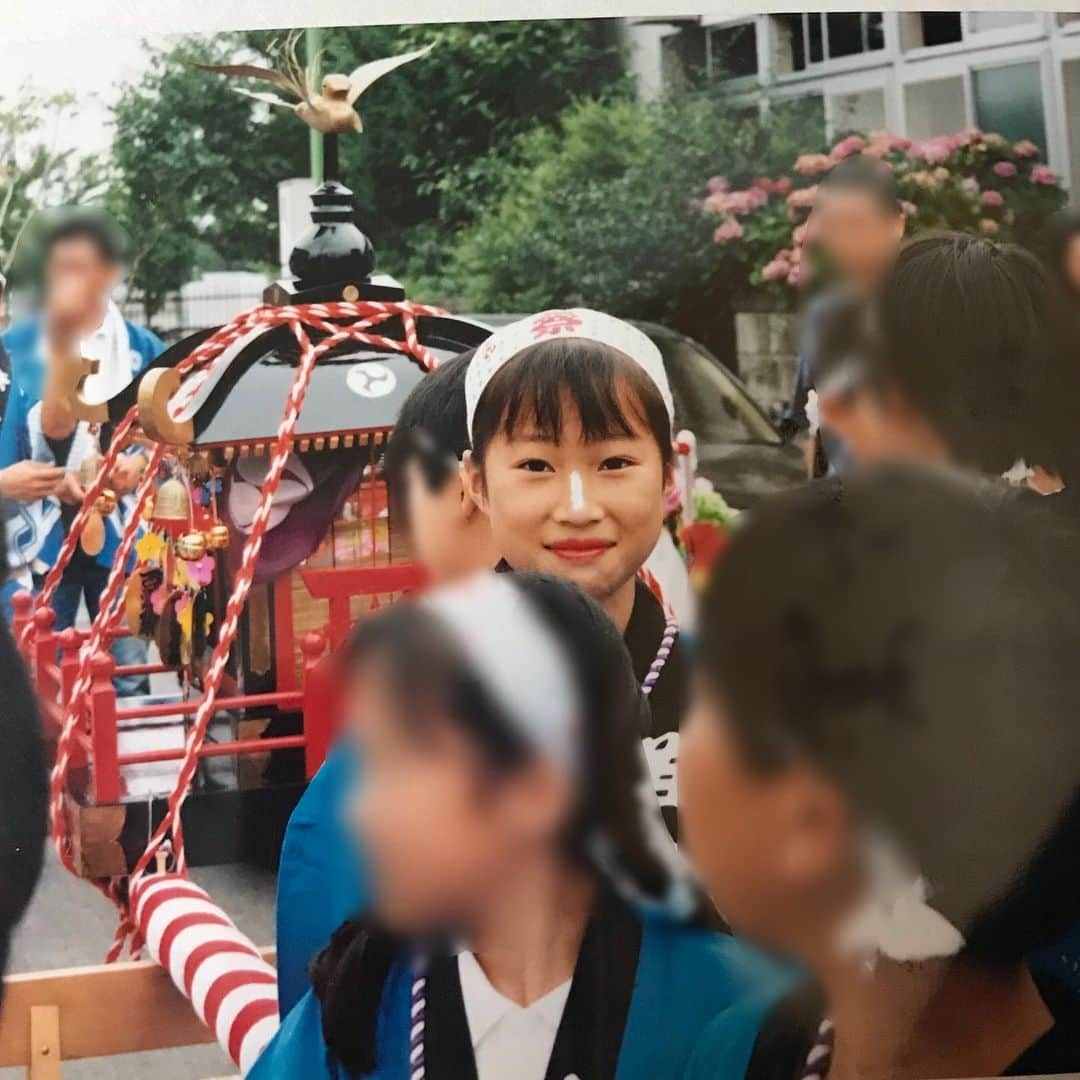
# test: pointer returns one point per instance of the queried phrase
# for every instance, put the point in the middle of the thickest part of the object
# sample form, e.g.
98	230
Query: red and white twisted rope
309	355
367	314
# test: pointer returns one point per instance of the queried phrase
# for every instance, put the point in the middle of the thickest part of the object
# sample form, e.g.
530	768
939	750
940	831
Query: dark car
739	449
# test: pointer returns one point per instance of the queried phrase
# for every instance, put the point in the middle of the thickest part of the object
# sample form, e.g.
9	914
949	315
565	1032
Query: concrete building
916	73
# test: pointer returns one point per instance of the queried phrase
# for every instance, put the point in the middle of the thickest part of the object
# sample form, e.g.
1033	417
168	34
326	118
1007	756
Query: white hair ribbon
519	661
582	323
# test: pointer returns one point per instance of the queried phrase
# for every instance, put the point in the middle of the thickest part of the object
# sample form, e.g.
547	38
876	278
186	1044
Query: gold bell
191	546
106	502
88	470
217	537
172	502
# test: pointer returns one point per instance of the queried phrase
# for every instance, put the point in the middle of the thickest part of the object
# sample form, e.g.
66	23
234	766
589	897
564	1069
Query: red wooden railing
315	698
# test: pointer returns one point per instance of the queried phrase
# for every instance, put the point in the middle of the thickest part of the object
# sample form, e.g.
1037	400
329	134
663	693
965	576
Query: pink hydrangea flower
728	231
846	147
782	186
777	270
992	198
717	185
1043	174
970	185
909	208
812	164
795	276
802	198
988	226
1004	169
992	138
933	151
1025	148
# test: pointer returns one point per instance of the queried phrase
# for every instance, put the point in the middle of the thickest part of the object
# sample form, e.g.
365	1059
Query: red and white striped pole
232	989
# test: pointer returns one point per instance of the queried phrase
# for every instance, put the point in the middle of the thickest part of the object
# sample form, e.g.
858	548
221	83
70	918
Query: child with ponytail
531	916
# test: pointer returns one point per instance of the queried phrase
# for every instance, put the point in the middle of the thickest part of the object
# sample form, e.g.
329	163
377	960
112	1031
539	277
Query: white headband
520	663
583	323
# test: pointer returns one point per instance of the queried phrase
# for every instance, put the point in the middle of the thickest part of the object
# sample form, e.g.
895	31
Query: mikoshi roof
355	389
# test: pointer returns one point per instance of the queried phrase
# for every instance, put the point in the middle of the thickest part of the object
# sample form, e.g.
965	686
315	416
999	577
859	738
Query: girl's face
441	833
769	847
1071	263
588	512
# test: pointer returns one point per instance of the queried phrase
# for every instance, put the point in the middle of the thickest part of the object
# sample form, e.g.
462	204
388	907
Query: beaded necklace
820	1057
418	996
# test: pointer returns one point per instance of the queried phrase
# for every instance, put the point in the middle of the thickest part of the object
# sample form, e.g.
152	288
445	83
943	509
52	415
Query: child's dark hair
962	328
92	226
914	634
865	176
529	391
426	668
431	428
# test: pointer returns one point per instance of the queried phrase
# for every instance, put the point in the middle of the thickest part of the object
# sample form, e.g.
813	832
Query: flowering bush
973	181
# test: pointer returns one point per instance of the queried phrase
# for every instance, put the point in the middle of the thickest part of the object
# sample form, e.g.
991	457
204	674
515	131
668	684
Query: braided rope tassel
417	1023
76	707
667	642
820	1057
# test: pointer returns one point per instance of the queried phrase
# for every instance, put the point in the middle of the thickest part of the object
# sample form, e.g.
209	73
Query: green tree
196	171
34	174
197	165
599	211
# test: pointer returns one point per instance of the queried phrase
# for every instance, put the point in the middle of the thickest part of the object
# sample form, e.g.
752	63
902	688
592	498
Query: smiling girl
570	417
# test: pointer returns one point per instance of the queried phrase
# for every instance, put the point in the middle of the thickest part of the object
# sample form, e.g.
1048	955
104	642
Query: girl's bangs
612	395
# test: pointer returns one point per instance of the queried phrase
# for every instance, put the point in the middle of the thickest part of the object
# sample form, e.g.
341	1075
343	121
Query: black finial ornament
334	259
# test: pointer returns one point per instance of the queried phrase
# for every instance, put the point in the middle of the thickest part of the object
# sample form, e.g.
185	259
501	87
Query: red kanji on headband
551	323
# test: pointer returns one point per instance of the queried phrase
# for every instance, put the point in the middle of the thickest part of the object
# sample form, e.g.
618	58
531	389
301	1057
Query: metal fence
185	312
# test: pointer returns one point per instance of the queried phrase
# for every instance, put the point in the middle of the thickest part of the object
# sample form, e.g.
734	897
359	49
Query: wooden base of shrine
246	825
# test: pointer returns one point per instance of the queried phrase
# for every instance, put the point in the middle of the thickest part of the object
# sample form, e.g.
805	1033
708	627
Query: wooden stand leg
44	1043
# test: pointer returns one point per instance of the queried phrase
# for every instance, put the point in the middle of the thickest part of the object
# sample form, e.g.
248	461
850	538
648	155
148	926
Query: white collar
485	1006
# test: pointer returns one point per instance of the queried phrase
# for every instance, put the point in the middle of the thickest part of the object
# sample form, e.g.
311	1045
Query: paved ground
69	925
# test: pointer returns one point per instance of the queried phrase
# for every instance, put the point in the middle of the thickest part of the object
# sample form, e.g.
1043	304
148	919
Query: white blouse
507	1039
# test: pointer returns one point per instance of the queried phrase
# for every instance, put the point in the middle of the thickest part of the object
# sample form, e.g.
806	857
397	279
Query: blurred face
78	278
450	537
442	834
880	427
858	237
1071	264
770	848
587	512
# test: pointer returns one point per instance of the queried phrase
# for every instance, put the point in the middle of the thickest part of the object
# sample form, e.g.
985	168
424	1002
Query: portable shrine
263	532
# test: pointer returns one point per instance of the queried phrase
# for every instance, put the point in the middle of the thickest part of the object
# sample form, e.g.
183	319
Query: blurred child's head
499	721
857	220
959	362
448	533
571	417
889	657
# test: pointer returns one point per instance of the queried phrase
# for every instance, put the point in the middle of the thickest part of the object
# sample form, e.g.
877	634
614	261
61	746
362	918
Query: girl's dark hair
429	676
963	328
914	634
431	428
529	390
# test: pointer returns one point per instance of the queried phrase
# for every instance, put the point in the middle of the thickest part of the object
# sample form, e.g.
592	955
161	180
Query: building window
862	110
982	22
733	51
927	29
815	37
683	56
804	114
1008	100
935	107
